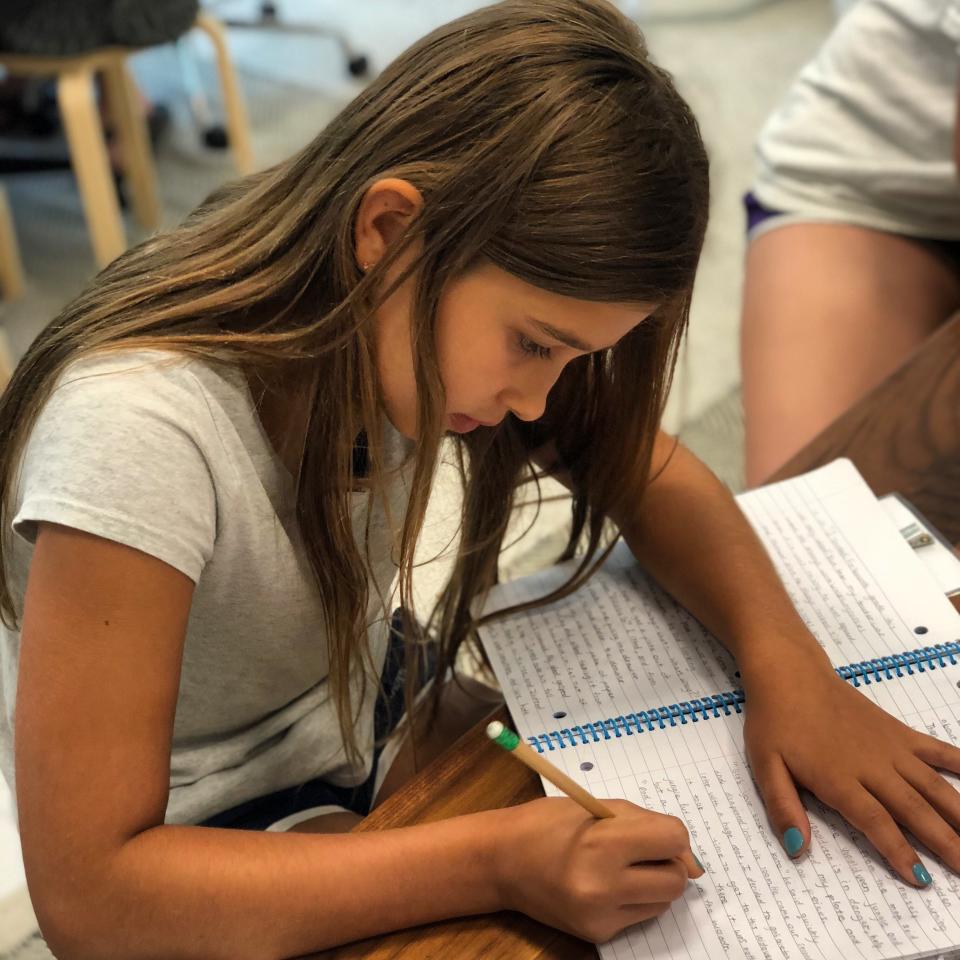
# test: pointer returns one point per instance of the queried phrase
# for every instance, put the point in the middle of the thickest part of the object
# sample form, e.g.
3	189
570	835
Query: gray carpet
716	437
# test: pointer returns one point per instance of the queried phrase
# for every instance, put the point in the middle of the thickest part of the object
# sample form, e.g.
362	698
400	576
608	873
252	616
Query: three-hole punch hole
559	715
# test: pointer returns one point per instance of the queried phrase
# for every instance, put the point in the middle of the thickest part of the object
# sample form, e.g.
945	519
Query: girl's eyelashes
532	347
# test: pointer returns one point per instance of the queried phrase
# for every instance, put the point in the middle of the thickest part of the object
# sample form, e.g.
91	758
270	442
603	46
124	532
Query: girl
216	459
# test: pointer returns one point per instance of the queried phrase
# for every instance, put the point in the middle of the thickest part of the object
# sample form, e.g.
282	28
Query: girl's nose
527	399
527	408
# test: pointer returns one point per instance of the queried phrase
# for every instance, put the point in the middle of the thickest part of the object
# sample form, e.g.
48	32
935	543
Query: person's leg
829	310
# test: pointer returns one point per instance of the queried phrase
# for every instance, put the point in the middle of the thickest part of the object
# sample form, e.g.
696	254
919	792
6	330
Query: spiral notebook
629	695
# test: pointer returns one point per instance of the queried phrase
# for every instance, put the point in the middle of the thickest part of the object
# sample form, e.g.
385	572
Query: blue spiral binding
659	718
885	668
705	708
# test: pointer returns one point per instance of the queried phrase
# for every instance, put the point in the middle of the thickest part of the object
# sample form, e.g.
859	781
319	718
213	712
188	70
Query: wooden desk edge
431	796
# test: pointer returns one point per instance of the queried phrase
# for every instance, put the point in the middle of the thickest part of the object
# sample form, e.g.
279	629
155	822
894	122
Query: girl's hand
592	878
805	727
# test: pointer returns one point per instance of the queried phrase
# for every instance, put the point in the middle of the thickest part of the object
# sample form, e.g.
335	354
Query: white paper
619	646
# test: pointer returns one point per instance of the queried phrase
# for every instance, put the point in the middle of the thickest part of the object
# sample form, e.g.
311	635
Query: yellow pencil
506	738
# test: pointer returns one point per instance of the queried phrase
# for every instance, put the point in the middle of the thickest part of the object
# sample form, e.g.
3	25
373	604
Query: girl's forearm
691	536
184	892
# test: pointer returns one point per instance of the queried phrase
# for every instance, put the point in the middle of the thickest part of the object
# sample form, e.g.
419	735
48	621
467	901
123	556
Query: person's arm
691	536
101	646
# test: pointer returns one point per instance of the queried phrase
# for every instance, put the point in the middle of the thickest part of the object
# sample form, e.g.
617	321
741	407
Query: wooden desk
904	437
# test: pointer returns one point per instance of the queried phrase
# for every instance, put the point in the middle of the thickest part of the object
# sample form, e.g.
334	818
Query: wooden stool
76	96
11	270
237	124
6	360
11	281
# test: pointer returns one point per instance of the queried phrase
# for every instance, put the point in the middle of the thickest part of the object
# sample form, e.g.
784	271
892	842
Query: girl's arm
101	647
692	537
687	531
99	673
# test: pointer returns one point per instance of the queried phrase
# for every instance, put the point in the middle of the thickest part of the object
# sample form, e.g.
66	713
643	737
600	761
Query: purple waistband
756	211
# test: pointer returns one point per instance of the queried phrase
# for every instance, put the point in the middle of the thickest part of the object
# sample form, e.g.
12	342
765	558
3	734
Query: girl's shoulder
137	383
149	369
134	446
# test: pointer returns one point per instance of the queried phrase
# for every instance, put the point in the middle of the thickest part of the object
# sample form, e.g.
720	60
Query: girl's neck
282	404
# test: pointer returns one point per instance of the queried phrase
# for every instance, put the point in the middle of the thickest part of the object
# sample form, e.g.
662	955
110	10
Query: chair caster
215	137
358	66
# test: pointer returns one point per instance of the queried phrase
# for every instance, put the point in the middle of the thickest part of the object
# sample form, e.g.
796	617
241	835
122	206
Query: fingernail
696	860
922	877
792	841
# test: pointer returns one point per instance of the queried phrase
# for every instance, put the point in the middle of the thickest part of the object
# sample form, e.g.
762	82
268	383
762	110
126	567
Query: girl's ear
386	211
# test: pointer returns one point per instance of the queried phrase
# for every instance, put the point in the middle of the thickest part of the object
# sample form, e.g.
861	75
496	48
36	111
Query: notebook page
621	645
838	901
616	645
624	647
856	582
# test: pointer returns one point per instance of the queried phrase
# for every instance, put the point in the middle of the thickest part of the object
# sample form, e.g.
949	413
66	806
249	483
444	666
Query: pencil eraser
502	735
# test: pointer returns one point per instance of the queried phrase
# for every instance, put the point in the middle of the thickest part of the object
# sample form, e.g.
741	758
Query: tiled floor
732	69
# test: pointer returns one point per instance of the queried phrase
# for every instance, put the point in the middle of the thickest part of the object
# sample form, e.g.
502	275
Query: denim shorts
263	813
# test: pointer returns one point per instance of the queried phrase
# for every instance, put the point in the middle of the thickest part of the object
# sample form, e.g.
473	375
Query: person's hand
805	727
592	878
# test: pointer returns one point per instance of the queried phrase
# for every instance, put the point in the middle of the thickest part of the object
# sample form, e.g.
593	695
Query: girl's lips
461	423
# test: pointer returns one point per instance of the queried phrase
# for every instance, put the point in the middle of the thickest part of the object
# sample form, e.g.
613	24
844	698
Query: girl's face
502	345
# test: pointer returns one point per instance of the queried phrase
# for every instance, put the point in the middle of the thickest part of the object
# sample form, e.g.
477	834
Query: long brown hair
543	140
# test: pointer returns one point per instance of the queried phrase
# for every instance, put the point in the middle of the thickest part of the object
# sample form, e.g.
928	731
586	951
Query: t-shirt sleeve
118	451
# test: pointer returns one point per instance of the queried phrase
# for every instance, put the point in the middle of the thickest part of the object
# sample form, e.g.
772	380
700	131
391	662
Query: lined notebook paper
629	695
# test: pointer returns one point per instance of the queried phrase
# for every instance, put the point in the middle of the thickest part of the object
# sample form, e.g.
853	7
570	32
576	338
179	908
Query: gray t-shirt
865	134
166	454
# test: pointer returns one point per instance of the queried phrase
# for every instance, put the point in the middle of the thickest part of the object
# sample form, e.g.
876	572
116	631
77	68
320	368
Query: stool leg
192	84
91	164
124	106
238	126
11	270
6	360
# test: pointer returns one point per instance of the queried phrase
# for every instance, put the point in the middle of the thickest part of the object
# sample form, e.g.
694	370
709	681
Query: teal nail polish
792	841
920	872
696	860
